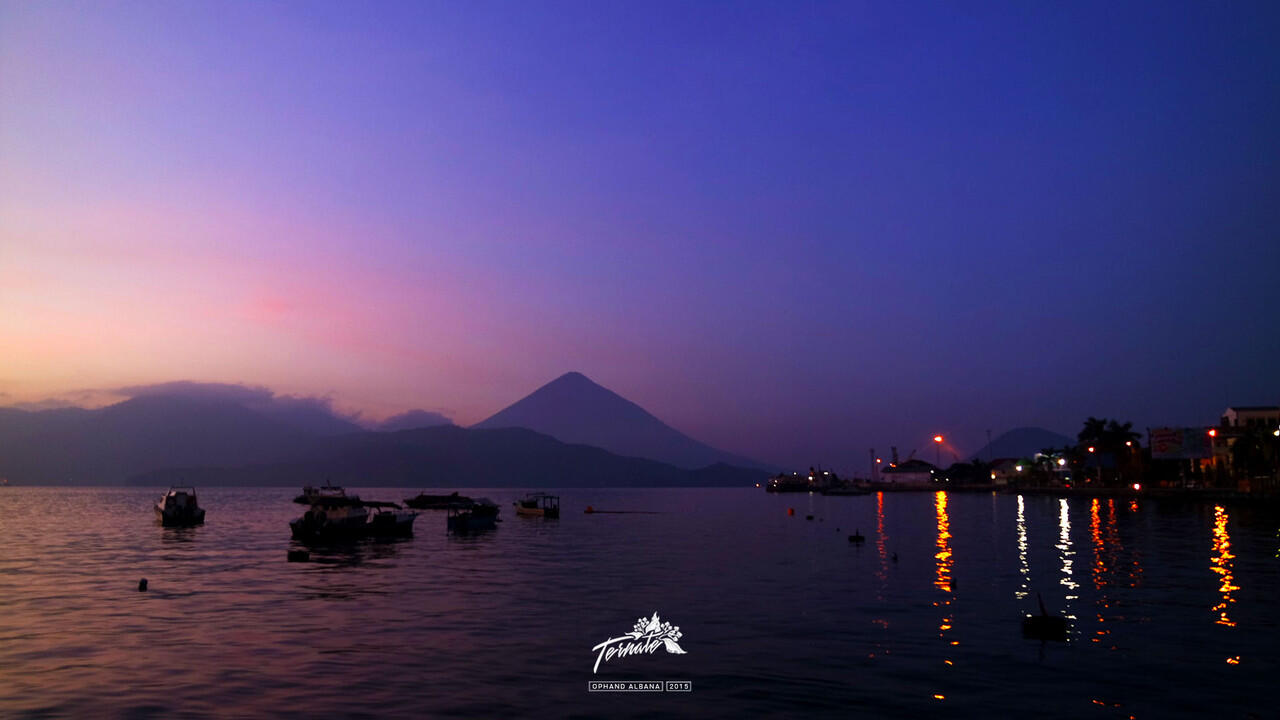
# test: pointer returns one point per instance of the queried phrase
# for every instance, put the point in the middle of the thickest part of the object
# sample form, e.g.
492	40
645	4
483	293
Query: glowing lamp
937	438
1018	468
1090	448
1213	432
1137	486
1062	461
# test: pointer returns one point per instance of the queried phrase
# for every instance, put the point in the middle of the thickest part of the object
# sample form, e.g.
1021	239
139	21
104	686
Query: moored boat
310	494
350	517
423	501
179	508
539	505
482	514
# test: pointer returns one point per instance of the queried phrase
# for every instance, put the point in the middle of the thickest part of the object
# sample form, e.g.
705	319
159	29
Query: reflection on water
1069	584
1221	565
1099	570
779	615
1024	567
942	579
882	540
943	556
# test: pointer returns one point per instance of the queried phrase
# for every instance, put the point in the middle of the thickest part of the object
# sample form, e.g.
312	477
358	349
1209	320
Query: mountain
451	456
574	409
214	435
109	444
1022	442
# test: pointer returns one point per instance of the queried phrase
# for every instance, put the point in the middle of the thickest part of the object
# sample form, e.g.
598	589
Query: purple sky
791	230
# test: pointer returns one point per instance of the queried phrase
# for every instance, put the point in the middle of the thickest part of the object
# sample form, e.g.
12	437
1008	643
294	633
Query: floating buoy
299	556
589	510
895	557
142	585
856	538
808	517
791	511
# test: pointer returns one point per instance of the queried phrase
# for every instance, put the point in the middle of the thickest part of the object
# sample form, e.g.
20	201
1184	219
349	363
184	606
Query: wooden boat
479	515
311	494
423	501
179	508
539	505
344	517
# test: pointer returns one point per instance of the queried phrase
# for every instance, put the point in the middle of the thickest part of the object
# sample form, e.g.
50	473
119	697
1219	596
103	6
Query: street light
937	446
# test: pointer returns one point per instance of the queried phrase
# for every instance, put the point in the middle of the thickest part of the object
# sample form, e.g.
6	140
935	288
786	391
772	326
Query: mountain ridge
575	409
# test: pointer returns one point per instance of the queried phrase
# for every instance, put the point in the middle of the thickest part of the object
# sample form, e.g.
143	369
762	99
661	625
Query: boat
482	514
311	494
178	508
539	505
787	483
346	517
424	501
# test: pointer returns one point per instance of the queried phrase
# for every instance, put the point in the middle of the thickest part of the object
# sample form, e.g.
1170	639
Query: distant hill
106	445
450	456
216	435
1022	442
574	409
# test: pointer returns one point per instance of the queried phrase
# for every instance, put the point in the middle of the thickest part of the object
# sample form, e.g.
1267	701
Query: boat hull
179	518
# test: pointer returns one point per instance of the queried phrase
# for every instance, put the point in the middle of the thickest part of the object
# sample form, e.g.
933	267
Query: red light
937	438
1137	486
1090	448
1213	433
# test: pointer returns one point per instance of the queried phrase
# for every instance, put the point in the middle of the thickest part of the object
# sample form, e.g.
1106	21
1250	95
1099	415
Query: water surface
1171	605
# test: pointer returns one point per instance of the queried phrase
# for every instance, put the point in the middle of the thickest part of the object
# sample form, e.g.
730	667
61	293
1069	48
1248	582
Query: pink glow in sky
792	231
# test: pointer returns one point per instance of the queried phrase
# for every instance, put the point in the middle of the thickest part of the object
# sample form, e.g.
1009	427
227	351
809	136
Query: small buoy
142	585
589	510
895	557
791	511
856	538
299	556
808	517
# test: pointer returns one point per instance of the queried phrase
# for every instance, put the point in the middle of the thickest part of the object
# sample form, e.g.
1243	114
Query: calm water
1173	606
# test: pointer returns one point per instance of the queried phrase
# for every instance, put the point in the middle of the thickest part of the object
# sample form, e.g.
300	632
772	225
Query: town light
1137	486
1276	432
1062	461
1128	443
1090	448
1018	468
1213	432
878	461
937	438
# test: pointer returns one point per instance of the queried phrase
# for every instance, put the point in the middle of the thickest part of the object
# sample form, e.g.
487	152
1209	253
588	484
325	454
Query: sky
792	230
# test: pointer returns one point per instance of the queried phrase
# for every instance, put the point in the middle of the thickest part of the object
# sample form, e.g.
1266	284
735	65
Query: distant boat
539	505
179	508
311	494
350	517
787	483
424	501
479	515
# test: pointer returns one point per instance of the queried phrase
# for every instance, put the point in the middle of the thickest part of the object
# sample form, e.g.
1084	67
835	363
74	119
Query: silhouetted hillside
574	409
450	456
1022	442
218	438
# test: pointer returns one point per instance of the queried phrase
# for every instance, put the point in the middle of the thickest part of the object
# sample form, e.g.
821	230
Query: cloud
413	419
305	412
